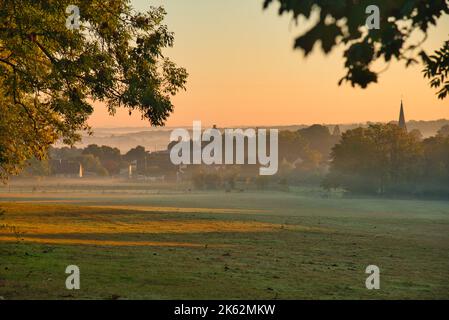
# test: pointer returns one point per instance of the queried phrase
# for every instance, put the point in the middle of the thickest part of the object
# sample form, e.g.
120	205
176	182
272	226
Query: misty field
134	242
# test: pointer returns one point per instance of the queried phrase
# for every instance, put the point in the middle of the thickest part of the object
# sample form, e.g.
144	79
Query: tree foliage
436	164
110	158
51	75
21	138
91	163
343	22
136	153
385	159
444	131
320	139
437	69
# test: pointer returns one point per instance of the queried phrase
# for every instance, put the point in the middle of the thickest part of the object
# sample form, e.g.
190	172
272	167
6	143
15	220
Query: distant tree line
99	160
381	159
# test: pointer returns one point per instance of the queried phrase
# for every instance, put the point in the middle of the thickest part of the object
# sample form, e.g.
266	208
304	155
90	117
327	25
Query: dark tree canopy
342	22
377	159
50	75
437	69
444	131
319	138
136	153
109	157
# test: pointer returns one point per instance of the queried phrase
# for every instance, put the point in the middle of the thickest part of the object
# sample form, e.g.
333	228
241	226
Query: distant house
154	164
66	168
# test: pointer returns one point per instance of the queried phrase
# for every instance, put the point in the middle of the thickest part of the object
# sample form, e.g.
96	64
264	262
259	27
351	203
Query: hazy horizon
259	125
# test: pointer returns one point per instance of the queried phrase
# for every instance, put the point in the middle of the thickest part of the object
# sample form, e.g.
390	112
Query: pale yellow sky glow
244	72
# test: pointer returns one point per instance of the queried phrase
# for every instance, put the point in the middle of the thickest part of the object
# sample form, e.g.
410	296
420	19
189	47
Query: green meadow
133	242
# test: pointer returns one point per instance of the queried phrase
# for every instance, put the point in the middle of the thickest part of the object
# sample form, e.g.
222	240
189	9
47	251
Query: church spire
402	118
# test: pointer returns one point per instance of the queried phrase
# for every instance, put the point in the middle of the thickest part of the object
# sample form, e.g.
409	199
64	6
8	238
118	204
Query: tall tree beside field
436	165
382	158
50	75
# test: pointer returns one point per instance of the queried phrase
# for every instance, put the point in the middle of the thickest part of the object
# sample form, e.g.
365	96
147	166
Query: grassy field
137	244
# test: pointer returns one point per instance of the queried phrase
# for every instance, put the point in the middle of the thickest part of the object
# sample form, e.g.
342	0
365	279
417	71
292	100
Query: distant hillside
158	138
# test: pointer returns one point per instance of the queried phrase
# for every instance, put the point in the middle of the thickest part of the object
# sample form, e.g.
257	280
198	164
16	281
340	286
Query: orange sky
243	71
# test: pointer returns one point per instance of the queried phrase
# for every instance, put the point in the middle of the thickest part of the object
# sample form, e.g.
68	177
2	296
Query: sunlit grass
183	209
106	226
63	225
97	242
61	219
